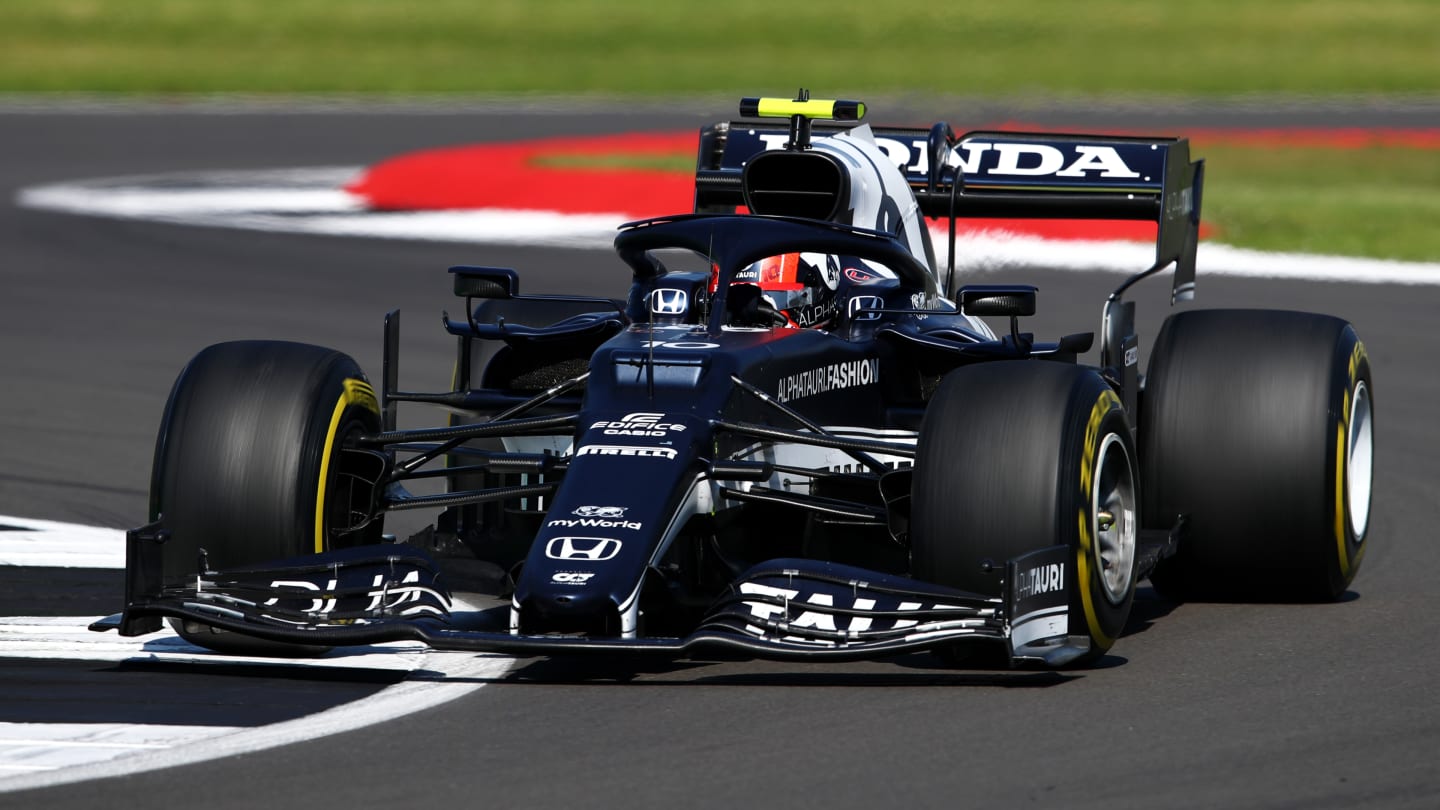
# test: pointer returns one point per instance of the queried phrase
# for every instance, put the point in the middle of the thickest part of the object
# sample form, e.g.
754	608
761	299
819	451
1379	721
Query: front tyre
1020	455
255	462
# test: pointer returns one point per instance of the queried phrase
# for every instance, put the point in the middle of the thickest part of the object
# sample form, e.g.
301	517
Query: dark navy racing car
792	438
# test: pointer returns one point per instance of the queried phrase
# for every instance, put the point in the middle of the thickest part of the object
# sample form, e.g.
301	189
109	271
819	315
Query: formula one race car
793	439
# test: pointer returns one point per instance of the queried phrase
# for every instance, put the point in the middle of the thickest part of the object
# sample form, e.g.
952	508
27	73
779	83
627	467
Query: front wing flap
791	609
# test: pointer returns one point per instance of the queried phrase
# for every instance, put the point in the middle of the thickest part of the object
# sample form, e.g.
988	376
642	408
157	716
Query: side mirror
1009	300
485	282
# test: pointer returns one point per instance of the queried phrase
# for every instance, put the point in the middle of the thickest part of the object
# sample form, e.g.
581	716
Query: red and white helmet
800	286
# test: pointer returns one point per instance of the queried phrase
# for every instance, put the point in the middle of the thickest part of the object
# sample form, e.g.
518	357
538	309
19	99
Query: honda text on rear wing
1022	175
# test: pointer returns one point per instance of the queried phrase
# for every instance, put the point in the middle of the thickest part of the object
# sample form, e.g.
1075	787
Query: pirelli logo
834	377
625	450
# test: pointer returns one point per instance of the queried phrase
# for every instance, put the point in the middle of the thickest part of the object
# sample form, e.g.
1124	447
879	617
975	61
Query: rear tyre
1258	427
251	465
1017	456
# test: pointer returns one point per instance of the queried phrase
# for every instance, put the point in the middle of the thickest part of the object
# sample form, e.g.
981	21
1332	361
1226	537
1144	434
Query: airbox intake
796	184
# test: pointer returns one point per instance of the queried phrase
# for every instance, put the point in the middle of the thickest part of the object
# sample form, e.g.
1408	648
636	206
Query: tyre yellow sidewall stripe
1103	405
1344	555
357	393
1342	447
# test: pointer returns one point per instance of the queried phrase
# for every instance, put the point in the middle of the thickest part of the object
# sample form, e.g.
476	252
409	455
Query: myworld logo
594	523
597	517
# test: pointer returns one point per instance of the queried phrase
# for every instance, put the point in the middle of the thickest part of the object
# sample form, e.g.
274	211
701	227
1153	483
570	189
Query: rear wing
1020	175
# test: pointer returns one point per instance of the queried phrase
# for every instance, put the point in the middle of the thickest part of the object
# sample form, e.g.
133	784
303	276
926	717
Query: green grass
678	162
957	47
1377	202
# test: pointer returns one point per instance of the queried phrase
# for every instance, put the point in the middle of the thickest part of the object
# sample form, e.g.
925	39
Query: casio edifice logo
638	424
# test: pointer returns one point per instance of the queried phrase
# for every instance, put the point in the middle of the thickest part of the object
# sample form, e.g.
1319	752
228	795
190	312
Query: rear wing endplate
1020	175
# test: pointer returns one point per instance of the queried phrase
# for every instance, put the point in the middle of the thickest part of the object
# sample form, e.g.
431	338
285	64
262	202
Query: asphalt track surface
1199	705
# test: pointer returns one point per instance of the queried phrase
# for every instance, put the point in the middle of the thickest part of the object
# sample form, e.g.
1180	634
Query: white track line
68	638
50	544
42	754
313	201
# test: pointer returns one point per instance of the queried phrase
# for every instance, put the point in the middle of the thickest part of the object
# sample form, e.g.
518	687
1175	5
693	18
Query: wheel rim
1113	521
1359	460
339	500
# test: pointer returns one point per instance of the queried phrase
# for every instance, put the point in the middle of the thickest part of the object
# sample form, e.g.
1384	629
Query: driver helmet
800	286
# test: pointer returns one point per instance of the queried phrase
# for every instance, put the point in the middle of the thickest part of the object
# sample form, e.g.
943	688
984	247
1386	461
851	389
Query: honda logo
863	307
668	301
590	549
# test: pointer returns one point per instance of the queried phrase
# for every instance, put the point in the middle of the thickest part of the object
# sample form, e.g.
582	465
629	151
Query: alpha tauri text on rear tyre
1016	456
1257	427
